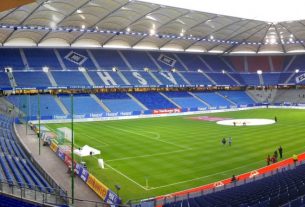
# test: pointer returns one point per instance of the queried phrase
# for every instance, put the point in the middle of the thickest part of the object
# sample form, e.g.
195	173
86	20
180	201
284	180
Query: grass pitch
155	156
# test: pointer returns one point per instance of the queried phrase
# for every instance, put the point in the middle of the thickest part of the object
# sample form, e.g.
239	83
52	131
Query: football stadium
152	103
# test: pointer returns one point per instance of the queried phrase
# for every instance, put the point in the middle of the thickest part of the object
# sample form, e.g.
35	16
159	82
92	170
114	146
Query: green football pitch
156	156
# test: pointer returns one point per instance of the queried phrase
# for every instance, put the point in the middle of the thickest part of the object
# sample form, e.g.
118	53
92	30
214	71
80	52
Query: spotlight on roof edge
259	72
268	41
297	70
45	69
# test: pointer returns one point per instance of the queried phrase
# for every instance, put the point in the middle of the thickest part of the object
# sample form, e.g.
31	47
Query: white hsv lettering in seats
106	78
140	79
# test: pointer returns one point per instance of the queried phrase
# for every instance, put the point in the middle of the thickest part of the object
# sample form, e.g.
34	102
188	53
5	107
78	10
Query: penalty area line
125	176
149	155
155	139
219	173
128	178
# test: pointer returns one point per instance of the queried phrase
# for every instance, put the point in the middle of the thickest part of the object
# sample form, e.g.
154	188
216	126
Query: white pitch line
101	142
125	176
132	132
122	174
206	176
199	178
149	155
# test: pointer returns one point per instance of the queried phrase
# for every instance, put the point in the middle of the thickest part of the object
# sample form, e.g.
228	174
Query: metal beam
245	39
278	35
214	31
39	5
196	25
233	36
9	13
262	39
161	26
293	34
100	20
8	37
12	30
133	22
63	19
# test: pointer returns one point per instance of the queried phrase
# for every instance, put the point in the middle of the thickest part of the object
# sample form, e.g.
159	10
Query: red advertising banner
166	111
68	160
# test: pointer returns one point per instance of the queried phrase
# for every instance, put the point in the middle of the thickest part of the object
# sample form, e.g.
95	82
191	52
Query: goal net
64	133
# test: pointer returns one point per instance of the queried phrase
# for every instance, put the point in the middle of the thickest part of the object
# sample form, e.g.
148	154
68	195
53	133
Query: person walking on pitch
223	141
230	141
280	152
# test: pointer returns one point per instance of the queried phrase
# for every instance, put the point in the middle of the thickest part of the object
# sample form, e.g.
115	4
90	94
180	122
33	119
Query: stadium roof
268	11
144	25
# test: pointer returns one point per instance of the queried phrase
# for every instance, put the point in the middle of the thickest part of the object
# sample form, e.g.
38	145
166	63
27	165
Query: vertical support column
39	117
72	149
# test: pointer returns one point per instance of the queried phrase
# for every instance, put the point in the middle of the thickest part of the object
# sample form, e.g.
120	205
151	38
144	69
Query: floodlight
45	69
8	69
259	72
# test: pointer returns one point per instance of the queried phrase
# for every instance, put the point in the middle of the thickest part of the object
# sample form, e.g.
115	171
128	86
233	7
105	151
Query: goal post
64	134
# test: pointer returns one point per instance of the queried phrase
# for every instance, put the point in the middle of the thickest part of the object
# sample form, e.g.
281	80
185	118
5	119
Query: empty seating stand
213	99
153	100
238	97
29	105
64	64
83	104
8	201
185	100
16	168
273	191
119	102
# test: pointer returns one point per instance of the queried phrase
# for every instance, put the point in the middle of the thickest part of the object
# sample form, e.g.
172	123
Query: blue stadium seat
169	78
5	168
108	59
185	100
250	79
71	78
41	57
176	64
238	97
82	103
139	78
271	78
4	81
222	79
213	99
32	79
270	191
48	105
197	78
71	65
193	62
119	102
216	63
8	201
12	58
139	60
153	100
